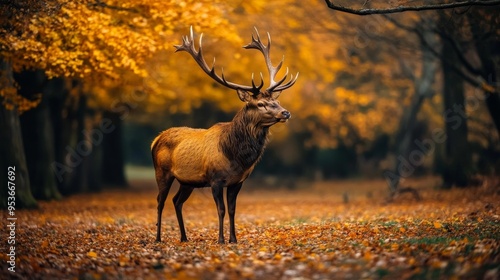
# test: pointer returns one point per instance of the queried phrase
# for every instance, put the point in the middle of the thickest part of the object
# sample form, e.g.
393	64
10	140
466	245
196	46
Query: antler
274	86
188	46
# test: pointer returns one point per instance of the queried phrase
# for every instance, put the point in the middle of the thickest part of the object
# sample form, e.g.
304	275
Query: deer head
263	104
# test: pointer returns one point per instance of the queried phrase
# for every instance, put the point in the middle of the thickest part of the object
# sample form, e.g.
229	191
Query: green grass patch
431	240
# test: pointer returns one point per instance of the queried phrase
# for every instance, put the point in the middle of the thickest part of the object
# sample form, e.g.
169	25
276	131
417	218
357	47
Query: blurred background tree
373	96
468	52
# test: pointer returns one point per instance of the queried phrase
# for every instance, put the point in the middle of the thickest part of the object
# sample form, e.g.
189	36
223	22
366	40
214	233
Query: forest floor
326	230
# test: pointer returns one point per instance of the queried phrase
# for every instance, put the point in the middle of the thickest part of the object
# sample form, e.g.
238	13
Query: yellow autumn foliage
96	41
350	90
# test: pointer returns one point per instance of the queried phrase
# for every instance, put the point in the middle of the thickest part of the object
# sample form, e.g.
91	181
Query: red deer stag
224	155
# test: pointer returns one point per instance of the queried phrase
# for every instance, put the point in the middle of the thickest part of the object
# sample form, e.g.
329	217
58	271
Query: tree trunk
79	152
12	154
403	168
94	171
38	138
486	51
113	162
60	118
407	160
493	104
78	144
457	162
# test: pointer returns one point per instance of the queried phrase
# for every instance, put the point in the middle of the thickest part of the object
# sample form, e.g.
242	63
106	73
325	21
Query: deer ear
244	95
276	94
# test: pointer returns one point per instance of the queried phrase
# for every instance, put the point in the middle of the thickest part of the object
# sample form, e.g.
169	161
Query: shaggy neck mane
245	139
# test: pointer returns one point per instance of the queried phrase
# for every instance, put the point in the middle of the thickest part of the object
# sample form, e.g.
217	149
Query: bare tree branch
402	8
476	81
455	45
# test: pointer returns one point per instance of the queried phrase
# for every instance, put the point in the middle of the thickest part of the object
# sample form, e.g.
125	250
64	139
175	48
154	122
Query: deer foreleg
217	192
232	193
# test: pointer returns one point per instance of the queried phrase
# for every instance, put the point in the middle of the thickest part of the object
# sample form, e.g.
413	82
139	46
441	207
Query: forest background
403	103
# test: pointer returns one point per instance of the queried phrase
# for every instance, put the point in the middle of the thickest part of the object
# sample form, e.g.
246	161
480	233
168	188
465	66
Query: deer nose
286	114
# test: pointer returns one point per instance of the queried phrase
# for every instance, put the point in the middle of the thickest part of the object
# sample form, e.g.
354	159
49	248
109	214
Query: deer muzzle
284	116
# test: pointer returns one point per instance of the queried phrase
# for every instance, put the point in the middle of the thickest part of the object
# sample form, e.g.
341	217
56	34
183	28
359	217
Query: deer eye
260	104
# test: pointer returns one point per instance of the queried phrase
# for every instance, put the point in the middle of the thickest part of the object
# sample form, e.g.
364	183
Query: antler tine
273	71
276	84
261	83
189	47
290	83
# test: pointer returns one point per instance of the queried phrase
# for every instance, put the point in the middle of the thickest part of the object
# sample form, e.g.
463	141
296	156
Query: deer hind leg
180	197
164	182
232	193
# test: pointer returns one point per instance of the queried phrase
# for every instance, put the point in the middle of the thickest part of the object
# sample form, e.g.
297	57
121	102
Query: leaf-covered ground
307	233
